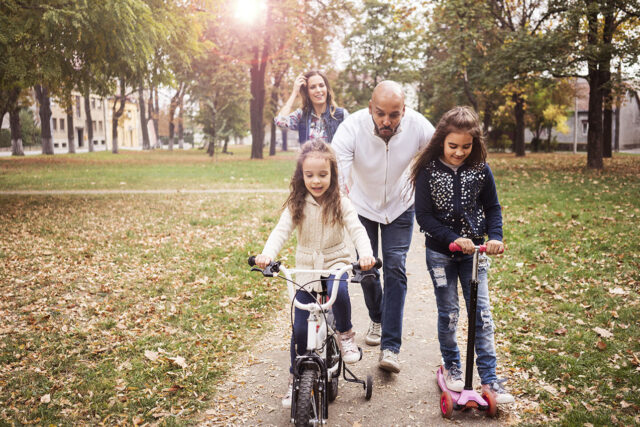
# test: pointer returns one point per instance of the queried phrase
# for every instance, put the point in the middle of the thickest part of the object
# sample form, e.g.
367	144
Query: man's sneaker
389	361
453	378
286	400
348	348
373	334
501	395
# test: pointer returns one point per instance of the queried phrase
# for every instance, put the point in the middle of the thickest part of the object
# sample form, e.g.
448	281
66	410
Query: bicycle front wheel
308	401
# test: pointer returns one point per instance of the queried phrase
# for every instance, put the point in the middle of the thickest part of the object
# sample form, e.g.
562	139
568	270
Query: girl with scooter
456	201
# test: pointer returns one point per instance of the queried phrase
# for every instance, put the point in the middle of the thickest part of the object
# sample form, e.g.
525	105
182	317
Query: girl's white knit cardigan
320	246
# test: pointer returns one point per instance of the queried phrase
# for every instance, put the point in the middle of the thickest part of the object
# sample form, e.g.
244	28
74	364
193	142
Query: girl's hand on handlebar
467	245
262	261
494	247
367	262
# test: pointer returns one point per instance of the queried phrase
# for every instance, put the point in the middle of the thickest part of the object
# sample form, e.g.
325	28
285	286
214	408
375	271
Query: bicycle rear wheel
308	401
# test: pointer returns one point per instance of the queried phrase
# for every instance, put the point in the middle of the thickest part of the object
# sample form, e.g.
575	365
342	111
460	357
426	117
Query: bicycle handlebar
276	267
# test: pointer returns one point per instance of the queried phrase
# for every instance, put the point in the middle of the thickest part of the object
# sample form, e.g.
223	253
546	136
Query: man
374	147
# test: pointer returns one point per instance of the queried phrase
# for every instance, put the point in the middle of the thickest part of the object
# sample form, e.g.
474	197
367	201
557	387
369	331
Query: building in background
626	122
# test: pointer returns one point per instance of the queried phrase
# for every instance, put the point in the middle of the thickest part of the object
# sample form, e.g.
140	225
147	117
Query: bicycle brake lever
359	275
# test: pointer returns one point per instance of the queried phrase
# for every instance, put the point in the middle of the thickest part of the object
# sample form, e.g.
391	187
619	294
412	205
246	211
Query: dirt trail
251	395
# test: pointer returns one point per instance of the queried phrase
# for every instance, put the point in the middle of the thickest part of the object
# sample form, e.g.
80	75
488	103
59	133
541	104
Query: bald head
388	89
387	108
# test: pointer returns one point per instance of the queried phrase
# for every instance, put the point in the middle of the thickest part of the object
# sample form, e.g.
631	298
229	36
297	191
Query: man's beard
377	130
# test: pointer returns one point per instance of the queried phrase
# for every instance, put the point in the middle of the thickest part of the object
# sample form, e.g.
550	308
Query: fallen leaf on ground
602	332
151	355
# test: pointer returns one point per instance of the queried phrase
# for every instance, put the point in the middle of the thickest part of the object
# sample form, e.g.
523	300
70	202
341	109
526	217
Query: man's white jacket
374	173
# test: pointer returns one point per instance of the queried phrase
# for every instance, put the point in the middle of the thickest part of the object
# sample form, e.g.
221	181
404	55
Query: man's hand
367	263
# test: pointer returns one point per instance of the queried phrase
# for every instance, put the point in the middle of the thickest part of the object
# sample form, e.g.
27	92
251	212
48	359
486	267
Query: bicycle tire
333	357
307	402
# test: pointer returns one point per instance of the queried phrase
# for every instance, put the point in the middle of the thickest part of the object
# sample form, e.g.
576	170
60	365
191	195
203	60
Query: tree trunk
89	121
594	135
272	143
71	131
225	146
256	106
16	131
607	120
549	129
172	111
156	117
211	149
146	145
116	113
519	131
42	94
284	139
469	93
605	82
181	123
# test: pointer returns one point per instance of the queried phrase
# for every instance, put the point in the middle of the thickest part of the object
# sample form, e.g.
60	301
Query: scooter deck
460	398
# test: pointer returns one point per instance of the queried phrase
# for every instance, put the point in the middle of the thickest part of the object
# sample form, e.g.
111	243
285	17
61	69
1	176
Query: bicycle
316	373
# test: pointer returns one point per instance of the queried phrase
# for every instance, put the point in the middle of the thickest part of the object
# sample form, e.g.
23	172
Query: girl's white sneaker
349	349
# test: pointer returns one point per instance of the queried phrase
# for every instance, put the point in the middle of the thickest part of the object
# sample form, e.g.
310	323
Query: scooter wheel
446	404
492	409
369	387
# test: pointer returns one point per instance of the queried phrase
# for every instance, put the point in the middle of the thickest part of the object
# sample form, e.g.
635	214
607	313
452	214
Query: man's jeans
388	307
341	311
445	270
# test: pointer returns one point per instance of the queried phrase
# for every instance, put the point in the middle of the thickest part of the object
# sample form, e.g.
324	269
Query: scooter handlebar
454	247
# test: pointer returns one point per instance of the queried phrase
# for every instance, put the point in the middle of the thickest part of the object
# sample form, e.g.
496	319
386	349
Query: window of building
78	105
55	124
93	103
93	123
100	104
61	124
100	125
585	127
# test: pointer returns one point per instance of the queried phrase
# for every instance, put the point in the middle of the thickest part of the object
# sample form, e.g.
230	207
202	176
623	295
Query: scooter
468	397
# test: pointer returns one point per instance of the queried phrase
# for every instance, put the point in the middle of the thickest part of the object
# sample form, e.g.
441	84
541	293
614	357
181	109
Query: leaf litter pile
126	309
130	309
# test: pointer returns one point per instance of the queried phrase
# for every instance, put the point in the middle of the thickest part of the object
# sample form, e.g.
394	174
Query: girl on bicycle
319	116
321	215
456	201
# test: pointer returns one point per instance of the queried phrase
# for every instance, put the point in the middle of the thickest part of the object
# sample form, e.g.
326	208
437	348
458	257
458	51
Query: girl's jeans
341	311
445	270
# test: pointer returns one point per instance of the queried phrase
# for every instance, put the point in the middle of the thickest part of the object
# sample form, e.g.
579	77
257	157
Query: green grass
191	169
92	282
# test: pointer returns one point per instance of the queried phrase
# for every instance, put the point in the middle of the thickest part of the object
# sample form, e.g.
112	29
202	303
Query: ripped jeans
445	270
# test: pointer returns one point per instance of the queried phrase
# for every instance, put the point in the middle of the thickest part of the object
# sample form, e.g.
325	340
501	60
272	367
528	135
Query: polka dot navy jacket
457	204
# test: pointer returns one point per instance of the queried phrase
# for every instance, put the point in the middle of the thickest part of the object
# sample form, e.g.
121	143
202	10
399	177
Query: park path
251	394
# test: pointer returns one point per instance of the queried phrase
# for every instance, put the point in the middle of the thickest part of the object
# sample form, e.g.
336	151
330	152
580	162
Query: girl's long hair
458	119
331	205
307	105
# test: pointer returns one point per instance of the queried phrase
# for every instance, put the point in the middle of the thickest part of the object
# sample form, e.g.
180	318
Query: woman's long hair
331	205
307	105
458	119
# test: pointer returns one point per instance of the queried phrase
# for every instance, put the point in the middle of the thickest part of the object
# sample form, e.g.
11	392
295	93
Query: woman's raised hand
298	83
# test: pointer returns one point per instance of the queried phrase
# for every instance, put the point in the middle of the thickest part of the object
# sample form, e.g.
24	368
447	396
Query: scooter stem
471	336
